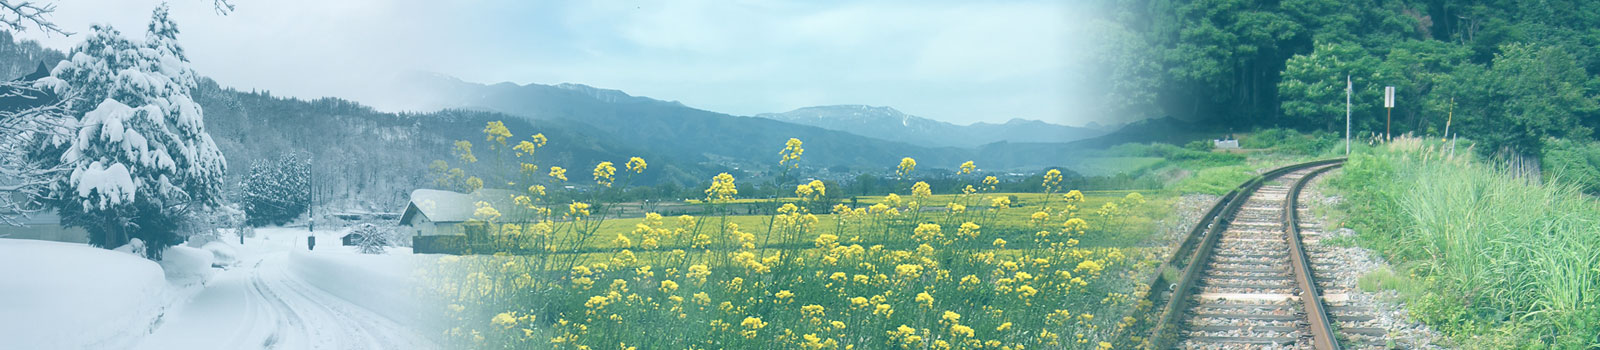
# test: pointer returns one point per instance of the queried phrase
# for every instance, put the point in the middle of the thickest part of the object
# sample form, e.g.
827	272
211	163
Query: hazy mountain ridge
1163	130
688	134
891	124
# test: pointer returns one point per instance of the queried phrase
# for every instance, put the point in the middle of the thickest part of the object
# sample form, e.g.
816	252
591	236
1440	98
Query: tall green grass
1506	261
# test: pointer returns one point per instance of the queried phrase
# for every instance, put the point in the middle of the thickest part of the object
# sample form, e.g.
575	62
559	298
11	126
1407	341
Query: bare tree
19	16
223	7
29	118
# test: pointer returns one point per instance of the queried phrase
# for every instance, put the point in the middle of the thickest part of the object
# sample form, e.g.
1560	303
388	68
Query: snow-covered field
267	293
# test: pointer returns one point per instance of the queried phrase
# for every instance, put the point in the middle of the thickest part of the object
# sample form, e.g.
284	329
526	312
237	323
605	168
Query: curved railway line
1245	280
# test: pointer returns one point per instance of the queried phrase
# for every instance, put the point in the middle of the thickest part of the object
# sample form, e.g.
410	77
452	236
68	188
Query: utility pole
311	198
1388	106
311	206
1348	88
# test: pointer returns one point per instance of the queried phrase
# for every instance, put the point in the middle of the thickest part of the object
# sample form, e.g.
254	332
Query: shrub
1290	141
372	239
1575	162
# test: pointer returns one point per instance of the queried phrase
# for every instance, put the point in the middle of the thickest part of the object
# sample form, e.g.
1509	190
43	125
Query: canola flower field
976	270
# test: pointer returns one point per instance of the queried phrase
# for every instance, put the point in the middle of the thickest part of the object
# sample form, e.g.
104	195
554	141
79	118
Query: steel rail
1322	332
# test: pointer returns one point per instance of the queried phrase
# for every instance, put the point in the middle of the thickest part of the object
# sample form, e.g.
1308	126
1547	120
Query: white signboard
1388	97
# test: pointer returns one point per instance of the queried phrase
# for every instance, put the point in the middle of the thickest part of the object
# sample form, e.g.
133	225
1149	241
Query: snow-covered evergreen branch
38	116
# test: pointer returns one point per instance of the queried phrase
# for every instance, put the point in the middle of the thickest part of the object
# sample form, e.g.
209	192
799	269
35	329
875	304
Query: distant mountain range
1154	130
666	127
890	124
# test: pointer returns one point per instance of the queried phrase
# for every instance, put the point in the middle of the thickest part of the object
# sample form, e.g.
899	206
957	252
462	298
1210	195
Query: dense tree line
1510	74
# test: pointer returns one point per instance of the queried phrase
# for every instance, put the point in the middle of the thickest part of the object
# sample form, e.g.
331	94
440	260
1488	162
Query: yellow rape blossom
921	189
968	229
558	173
636	165
496	131
751	325
1000	202
791	153
485	212
504	320
961	330
1073	196
907	165
579	209
463	151
525	148
722	188
1052	179
603	173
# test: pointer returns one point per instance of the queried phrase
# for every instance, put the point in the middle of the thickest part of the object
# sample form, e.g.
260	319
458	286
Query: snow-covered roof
451	206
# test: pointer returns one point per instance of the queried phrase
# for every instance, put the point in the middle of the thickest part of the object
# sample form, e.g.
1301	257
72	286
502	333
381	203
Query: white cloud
956	61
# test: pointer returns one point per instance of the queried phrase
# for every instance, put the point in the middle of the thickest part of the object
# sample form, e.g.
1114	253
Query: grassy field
981	277
1107	166
1484	252
1014	221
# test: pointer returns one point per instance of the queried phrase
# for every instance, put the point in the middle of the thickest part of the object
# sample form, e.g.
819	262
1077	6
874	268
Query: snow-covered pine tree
278	190
141	157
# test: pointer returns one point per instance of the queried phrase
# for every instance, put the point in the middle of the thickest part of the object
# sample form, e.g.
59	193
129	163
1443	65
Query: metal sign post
1348	88
1388	116
1448	117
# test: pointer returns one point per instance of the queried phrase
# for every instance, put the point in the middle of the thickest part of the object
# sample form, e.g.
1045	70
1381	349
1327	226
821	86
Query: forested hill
375	159
1512	72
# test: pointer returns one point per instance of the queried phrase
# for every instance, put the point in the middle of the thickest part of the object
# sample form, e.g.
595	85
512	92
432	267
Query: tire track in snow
288	322
317	313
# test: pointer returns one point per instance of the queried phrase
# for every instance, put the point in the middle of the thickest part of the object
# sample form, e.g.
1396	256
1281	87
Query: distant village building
434	216
351	239
45	226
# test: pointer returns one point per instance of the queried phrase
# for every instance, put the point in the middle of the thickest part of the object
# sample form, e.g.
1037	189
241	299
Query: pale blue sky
956	61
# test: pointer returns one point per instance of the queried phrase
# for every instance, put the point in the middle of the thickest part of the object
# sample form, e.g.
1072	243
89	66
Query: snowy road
261	303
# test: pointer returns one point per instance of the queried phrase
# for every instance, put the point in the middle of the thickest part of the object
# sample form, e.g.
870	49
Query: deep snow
68	295
268	293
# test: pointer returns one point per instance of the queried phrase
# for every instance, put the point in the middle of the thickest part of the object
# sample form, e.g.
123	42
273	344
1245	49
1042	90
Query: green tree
1230	53
1417	69
1529	93
1313	85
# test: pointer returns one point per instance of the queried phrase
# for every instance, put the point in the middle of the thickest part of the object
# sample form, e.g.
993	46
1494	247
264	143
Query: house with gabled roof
432	215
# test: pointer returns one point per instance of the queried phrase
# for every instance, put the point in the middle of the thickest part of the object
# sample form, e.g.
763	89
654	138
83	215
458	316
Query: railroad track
1245	280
